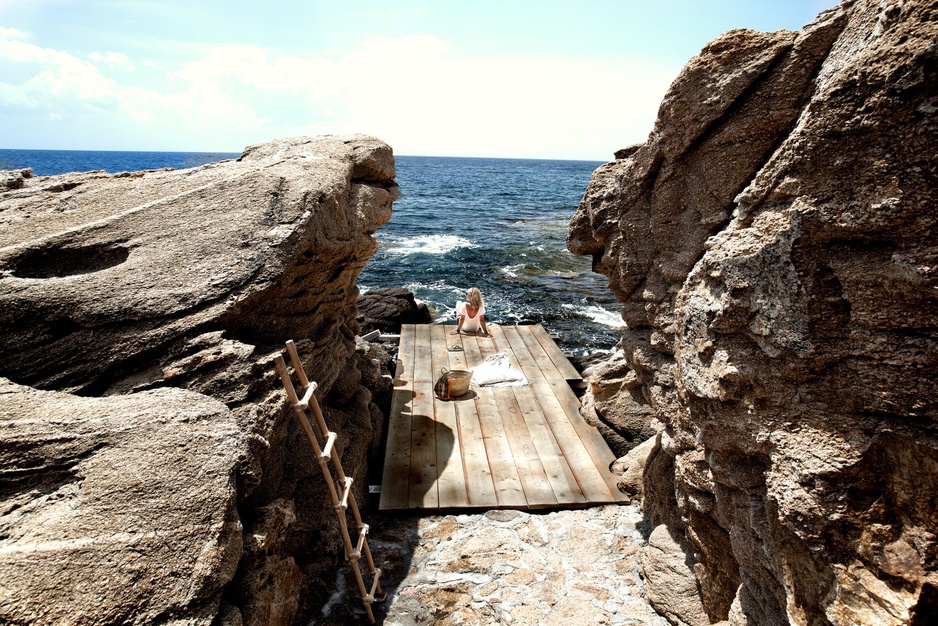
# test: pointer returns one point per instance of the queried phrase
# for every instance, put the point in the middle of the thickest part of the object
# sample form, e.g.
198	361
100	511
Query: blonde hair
475	298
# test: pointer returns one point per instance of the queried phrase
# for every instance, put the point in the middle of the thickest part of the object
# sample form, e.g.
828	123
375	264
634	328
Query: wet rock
387	309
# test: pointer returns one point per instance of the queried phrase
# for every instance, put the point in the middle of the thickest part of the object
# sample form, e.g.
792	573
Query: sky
576	79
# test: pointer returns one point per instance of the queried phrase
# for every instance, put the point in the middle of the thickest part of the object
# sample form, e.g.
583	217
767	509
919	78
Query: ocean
496	224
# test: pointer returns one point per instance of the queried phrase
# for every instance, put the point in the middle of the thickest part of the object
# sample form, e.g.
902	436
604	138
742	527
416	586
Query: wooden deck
496	447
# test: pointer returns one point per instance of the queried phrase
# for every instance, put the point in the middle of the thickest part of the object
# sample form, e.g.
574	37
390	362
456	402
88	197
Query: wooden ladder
343	499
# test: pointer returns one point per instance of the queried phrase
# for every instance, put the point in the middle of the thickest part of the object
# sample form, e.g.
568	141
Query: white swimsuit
470	324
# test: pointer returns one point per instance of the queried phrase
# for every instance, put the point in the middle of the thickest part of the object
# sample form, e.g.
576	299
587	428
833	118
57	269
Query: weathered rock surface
119	288
387	309
774	247
116	510
560	568
613	403
672	586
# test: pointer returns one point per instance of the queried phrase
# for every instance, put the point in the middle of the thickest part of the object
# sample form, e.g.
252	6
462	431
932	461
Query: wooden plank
563	483
394	491
457	360
397	455
451	481
439	357
592	439
525	361
489	345
480	486
538	491
591	482
472	351
423	357
508	487
561	362
405	353
422	471
423	493
539	354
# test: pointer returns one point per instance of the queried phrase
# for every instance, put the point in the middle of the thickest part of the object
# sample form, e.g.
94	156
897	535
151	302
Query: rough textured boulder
387	309
773	244
613	404
672	587
119	288
116	510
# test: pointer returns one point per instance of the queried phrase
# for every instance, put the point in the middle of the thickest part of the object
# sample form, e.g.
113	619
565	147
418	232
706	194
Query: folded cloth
496	371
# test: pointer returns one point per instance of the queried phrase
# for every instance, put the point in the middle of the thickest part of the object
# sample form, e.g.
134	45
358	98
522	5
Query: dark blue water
50	162
499	225
496	224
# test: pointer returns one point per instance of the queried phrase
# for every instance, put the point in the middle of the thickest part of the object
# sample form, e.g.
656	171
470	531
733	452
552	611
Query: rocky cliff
774	247
151	471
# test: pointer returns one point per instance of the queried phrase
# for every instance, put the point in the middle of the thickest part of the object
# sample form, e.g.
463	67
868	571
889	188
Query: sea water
496	224
50	162
499	225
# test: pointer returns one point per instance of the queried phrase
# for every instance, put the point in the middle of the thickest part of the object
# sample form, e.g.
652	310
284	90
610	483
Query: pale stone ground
506	567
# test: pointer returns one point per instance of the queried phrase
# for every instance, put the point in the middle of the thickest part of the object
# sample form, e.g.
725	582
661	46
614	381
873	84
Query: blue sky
523	78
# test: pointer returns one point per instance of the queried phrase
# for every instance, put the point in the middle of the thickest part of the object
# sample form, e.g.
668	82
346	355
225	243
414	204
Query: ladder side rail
340	476
301	374
297	365
301	416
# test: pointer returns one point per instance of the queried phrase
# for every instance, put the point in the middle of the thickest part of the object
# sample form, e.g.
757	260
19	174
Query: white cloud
113	60
418	93
62	78
12	33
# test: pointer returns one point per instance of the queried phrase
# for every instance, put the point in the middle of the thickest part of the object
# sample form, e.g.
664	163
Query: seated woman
471	314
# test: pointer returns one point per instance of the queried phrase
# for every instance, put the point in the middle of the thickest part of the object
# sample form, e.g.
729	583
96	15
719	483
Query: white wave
564	273
429	244
512	271
598	315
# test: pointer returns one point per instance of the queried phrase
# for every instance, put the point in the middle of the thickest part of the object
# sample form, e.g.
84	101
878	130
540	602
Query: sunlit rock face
774	248
152	470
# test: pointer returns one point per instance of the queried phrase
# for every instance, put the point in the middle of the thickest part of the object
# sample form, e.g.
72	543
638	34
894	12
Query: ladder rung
304	401
343	504
327	450
374	585
362	531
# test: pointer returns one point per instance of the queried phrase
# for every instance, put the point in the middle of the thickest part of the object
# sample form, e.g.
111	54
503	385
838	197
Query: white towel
496	371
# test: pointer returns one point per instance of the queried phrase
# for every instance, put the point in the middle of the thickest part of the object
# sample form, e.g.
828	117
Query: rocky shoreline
772	245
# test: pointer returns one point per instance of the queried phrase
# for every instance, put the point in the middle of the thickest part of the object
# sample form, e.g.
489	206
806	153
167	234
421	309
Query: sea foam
598	315
429	244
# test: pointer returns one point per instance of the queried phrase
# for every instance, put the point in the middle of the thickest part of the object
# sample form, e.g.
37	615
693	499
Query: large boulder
118	509
773	246
386	309
116	289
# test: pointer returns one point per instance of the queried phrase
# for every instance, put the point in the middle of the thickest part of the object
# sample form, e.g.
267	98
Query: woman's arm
462	318
485	331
